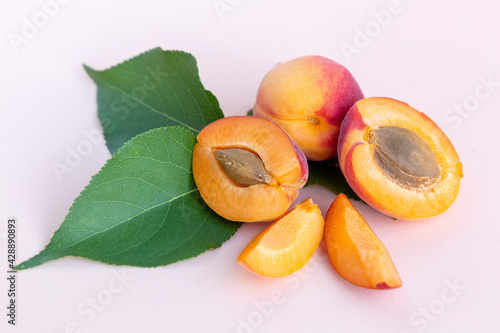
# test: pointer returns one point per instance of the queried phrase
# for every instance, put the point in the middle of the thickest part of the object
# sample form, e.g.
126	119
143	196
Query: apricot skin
309	97
281	157
365	176
286	245
354	250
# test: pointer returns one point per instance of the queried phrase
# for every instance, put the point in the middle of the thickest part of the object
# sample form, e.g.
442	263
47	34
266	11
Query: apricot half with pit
398	160
309	97
248	169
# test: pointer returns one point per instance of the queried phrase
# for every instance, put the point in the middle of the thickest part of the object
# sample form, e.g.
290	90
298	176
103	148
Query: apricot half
248	169
355	251
398	160
309	97
287	244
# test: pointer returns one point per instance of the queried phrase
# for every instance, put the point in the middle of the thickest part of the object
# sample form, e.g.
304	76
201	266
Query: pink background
441	58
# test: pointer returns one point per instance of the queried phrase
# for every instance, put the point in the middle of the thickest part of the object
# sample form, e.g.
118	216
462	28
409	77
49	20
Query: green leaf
250	112
155	89
328	174
142	209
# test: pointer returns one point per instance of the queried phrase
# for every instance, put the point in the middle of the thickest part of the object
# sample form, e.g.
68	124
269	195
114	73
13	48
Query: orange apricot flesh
286	245
262	149
309	97
398	160
355	251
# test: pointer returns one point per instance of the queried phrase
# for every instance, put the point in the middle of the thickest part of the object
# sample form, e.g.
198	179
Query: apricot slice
355	251
287	244
248	168
398	160
309	97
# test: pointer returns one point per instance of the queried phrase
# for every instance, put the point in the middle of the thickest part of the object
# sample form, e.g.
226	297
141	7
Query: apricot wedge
355	251
287	244
398	160
248	169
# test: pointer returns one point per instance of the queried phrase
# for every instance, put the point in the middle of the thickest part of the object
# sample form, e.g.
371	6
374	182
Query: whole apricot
248	169
398	160
309	97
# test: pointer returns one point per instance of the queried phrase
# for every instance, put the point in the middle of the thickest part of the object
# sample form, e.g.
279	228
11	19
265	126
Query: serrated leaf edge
88	68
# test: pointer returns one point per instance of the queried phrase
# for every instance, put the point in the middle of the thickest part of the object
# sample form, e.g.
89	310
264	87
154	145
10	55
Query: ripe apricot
309	97
248	169
355	251
398	160
287	244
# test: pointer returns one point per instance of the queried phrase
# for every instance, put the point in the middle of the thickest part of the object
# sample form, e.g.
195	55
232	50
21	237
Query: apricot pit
243	167
404	156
